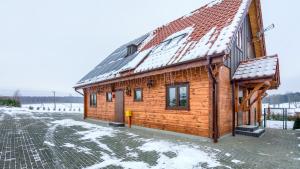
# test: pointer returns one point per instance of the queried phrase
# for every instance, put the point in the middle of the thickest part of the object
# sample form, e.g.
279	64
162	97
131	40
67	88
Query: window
109	96
177	96
93	100
138	95
169	43
239	39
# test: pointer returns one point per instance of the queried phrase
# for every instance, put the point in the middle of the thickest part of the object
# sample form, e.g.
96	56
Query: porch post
235	91
259	109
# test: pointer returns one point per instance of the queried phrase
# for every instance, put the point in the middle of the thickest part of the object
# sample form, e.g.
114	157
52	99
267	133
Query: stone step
250	128
116	124
256	133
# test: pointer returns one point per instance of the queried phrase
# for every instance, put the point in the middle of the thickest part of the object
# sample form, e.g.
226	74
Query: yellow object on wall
128	113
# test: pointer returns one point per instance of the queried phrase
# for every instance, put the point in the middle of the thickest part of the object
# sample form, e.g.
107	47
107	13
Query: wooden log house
203	74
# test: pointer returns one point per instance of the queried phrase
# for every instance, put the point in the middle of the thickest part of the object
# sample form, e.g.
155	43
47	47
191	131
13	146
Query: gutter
214	101
147	71
76	90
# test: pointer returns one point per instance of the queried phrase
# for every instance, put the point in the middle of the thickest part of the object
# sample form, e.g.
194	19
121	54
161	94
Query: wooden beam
257	87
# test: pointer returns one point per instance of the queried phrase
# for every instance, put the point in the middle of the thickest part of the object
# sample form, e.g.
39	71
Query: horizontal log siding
104	110
152	113
225	101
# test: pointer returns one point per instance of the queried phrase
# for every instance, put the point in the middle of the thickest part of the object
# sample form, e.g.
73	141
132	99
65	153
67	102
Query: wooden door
119	107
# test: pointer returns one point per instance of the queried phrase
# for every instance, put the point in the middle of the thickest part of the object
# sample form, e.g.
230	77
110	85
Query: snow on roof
208	30
257	68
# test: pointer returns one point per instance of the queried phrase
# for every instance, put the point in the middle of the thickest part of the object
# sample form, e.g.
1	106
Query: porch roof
258	68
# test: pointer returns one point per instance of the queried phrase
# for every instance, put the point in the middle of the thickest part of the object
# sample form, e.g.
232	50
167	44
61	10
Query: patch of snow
78	148
93	133
263	154
228	32
228	154
162	55
69	145
147	40
133	154
131	134
109	160
134	62
60	107
199	48
237	161
215	2
279	124
49	143
186	156
14	112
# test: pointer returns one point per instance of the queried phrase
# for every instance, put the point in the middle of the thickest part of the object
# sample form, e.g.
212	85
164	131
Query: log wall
152	112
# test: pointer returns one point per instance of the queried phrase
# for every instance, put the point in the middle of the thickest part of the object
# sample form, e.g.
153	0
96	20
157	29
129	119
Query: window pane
138	95
183	96
95	99
109	96
172	97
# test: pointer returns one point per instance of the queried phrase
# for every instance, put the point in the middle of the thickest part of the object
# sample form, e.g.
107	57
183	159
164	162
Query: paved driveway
56	140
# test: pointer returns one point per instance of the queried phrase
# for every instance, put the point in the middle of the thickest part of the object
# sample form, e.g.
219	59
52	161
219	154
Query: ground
64	140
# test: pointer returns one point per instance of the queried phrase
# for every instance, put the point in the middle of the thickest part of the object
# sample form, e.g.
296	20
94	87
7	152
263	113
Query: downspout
214	101
233	107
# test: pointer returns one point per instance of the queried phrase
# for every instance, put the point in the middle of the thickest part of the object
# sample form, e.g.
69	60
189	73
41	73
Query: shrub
30	108
297	124
9	102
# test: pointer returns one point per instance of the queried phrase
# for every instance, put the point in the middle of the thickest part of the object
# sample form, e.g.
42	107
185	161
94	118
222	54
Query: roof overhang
259	70
216	59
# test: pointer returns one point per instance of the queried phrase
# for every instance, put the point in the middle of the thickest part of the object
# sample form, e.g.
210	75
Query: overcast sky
50	45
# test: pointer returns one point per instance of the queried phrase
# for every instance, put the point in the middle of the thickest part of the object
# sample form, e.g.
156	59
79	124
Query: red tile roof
203	19
206	31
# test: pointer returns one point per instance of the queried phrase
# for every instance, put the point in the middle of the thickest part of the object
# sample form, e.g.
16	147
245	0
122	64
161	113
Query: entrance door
119	107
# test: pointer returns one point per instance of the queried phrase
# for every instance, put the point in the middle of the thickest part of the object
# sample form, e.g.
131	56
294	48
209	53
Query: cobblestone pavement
56	140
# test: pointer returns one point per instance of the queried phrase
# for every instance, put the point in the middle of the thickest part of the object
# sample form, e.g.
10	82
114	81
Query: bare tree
17	95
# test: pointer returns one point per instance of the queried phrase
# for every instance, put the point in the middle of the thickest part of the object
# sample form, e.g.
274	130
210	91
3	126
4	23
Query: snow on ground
49	143
78	148
279	124
93	133
14	111
237	161
187	156
60	107
109	160
292	108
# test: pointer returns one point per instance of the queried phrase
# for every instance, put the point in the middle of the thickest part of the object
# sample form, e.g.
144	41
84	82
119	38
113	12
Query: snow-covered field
291	108
279	124
60	107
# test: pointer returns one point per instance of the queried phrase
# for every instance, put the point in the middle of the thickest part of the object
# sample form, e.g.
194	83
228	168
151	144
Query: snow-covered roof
208	30
257	68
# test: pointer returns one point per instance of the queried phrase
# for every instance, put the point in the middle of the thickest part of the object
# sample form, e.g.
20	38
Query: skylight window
169	43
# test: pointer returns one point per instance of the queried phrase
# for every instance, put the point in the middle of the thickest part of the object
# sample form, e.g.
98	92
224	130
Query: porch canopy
255	77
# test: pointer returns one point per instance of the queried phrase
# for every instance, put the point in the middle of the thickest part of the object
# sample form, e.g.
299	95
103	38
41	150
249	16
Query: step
256	133
250	128
116	124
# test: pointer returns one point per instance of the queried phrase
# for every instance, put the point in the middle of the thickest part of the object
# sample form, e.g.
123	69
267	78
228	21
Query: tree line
292	98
